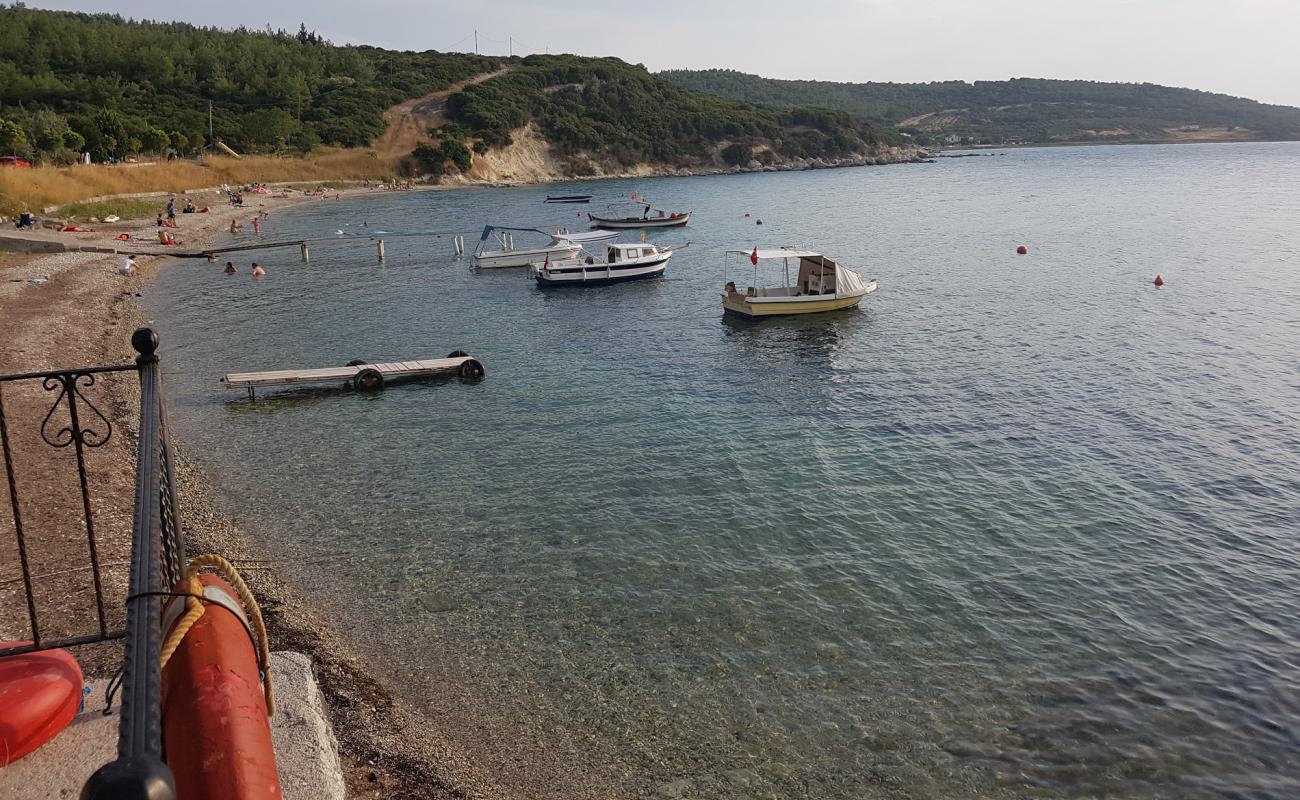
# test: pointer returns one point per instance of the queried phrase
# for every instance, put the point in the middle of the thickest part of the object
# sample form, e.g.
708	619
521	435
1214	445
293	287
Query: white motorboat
496	247
620	261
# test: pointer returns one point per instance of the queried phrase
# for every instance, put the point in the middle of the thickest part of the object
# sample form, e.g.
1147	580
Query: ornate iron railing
157	557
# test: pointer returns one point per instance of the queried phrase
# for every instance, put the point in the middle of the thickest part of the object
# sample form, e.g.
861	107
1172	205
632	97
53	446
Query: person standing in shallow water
257	270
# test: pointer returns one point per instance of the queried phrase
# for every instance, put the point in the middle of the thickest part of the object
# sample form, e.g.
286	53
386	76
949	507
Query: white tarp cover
847	283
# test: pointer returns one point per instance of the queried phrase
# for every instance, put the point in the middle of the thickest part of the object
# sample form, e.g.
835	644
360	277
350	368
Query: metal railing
157	558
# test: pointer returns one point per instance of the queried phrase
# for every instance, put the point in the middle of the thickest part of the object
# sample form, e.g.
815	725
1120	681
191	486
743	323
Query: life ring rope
195	607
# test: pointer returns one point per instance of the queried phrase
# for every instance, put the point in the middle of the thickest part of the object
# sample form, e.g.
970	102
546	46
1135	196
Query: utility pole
212	141
512	46
475	41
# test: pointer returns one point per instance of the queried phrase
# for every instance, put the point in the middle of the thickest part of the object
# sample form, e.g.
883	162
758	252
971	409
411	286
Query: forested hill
126	87
1024	109
73	82
619	114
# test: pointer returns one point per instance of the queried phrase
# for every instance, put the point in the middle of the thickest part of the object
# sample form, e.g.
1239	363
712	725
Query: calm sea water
1018	527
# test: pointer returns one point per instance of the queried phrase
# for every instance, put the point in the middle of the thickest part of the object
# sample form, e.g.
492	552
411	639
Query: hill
126	87
1019	110
74	82
601	115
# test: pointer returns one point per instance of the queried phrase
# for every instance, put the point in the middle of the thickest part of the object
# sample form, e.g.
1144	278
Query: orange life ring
214	714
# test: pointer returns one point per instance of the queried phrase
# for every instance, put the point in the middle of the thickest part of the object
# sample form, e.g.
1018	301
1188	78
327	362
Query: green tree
50	141
12	138
155	140
269	126
74	141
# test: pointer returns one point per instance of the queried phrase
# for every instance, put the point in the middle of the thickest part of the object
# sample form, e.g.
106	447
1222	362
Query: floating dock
359	374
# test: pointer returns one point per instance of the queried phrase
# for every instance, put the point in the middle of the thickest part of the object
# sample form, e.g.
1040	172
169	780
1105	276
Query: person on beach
230	268
257	226
160	220
257	270
171	209
235	227
127	267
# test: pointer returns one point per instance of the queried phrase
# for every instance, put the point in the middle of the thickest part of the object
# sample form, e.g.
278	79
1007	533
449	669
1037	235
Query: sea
1019	526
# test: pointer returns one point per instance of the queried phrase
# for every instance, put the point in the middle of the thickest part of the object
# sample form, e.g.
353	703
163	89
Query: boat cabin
620	252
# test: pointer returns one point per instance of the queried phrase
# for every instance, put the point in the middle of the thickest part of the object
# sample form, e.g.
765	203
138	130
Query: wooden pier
359	374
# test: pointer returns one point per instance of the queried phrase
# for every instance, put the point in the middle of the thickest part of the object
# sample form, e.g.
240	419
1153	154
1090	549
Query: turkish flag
753	257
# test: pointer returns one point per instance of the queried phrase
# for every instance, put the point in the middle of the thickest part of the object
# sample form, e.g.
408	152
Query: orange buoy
214	713
39	695
1022	250
1159	281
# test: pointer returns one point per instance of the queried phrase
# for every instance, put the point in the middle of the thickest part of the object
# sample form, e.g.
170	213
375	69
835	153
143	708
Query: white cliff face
530	158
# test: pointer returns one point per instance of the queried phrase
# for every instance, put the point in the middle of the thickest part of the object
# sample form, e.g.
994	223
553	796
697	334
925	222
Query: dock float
359	374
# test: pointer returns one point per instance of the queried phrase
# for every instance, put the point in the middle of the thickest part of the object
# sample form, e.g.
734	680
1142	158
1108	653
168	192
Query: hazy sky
1249	48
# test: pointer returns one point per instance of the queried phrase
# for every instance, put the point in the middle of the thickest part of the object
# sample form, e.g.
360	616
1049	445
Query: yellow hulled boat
821	284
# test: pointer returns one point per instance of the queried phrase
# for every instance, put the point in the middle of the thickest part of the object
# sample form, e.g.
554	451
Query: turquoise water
1021	526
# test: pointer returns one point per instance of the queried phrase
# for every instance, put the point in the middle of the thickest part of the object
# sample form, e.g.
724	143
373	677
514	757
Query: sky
1246	48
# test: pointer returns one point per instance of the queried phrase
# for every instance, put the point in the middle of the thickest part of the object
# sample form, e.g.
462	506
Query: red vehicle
14	161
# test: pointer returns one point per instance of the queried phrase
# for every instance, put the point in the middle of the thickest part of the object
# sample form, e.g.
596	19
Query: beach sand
84	315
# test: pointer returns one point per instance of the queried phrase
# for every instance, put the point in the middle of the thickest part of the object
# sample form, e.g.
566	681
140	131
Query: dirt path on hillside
409	121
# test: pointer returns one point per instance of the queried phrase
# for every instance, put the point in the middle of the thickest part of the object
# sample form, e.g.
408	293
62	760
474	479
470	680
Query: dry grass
39	187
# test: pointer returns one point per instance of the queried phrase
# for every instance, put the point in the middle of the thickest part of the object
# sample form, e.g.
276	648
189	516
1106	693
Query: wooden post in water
380	249
306	255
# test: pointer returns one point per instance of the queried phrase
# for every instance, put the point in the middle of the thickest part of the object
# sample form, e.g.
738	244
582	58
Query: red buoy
1159	281
39	695
1022	250
215	728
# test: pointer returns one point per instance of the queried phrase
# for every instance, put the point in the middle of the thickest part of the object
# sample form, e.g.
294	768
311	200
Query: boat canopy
587	236
579	238
776	252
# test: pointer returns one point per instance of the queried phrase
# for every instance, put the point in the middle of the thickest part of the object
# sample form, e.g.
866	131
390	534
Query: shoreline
82	313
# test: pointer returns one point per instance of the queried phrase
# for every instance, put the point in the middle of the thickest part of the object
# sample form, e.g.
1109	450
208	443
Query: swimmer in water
257	270
230	268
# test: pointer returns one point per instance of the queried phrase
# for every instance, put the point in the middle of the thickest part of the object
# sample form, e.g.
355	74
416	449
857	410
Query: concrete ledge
306	752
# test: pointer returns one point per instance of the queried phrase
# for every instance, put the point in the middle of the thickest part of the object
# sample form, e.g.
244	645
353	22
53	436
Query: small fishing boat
821	284
620	262
650	217
568	198
496	247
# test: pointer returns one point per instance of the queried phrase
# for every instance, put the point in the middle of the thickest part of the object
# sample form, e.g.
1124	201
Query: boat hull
786	308
599	275
638	222
523	258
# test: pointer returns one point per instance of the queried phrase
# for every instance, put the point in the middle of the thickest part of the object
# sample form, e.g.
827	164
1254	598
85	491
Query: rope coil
195	607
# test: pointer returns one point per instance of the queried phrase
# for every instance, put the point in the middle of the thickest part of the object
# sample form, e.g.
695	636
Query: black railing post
139	772
18	526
